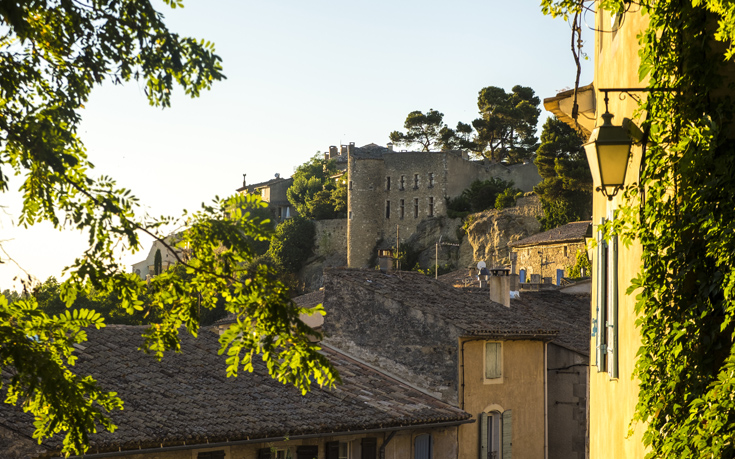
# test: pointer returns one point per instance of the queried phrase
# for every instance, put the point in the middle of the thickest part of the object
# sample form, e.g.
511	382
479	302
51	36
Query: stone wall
331	237
524	176
330	250
546	259
391	193
567	403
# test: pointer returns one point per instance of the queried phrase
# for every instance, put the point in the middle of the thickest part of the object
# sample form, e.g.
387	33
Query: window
565	250
431	207
212	455
307	452
431	180
402	214
369	448
422	447
337	450
493	361
350	215
387	183
387	209
496	435
415	181
350	184
403	182
604	326
415	207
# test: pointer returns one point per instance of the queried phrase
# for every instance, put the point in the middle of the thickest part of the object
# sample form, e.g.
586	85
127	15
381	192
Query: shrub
292	243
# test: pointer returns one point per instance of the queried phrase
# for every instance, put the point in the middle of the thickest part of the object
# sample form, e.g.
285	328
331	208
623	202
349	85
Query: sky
301	76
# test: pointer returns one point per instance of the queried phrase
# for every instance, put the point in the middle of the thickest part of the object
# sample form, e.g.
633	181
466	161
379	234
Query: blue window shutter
507	435
483	436
612	319
600	347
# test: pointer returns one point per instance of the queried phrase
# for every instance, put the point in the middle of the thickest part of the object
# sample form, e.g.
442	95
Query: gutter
265	440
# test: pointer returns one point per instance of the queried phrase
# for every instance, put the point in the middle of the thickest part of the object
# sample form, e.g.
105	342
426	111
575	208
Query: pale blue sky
301	76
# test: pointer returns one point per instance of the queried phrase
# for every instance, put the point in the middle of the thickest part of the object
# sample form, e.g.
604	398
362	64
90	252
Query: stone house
391	192
185	407
551	253
146	267
521	371
272	192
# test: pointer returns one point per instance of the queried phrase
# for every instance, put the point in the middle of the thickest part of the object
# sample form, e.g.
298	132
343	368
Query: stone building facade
272	192
551	253
390	193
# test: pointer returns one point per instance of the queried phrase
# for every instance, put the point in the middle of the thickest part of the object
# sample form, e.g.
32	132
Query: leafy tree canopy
482	195
53	54
423	129
292	243
315	194
566	188
506	129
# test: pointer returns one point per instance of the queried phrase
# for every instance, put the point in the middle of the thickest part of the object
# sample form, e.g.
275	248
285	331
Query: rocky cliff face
489	232
486	238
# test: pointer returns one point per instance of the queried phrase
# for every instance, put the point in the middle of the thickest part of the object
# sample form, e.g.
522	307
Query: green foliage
566	188
504	132
421	128
507	198
480	195
682	215
292	243
431	270
507	127
53	55
157	263
582	264
40	349
314	194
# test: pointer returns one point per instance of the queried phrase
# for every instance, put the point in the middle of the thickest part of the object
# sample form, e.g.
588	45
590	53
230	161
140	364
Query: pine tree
566	189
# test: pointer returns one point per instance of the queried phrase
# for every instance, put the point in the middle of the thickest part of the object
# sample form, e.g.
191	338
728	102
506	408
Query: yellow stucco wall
612	402
521	390
444	443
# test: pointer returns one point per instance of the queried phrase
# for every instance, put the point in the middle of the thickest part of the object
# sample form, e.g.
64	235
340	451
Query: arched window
496	434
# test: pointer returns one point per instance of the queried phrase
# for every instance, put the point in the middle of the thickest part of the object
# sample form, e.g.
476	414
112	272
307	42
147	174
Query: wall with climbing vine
676	221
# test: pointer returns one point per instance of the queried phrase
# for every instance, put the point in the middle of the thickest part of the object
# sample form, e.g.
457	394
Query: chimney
244	183
278	175
390	146
385	260
333	151
343	149
350	148
500	289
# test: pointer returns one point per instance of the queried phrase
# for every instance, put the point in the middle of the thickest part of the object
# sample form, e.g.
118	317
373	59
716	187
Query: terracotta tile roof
308	300
560	317
188	398
570	232
254	186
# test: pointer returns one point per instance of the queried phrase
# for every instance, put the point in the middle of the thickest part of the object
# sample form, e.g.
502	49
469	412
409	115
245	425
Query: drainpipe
546	401
381	454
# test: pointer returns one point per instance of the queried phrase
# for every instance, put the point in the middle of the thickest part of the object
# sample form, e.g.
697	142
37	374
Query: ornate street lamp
608	153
